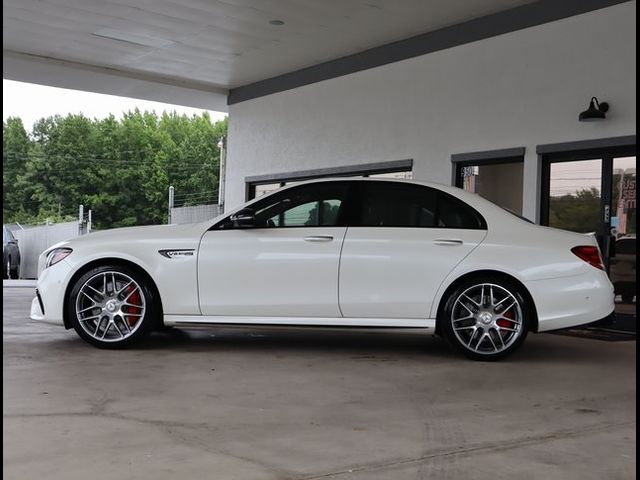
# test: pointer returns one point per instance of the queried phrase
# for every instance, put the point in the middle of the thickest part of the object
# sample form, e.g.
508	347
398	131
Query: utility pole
222	144
171	198
80	218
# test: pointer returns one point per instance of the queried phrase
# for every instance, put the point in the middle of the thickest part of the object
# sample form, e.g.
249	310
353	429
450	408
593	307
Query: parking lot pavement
241	404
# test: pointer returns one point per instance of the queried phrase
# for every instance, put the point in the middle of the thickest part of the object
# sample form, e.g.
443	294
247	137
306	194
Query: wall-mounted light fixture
596	111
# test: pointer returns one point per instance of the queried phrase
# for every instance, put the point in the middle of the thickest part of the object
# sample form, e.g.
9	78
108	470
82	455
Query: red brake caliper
504	323
136	300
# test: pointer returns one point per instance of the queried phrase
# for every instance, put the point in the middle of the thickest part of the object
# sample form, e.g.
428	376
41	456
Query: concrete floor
241	404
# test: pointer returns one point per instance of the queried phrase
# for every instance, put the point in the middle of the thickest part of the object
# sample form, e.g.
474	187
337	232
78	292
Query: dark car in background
623	268
10	255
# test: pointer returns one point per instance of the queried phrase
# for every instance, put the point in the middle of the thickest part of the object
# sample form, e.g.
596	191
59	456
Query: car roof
438	186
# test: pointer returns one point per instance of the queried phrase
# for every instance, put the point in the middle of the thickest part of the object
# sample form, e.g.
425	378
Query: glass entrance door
622	264
575	196
597	194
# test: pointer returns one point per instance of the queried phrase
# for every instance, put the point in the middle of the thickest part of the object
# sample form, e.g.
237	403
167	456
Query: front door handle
318	238
448	241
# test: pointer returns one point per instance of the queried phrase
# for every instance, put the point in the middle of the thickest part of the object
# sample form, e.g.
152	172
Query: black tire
147	320
6	269
505	335
16	271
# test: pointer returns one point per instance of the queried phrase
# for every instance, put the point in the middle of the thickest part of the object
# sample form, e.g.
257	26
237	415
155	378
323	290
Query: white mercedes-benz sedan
333	253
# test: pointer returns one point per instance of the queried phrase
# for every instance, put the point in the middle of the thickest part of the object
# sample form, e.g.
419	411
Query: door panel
270	271
396	272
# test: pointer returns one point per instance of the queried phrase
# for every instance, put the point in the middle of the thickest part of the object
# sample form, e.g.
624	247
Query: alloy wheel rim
110	306
487	318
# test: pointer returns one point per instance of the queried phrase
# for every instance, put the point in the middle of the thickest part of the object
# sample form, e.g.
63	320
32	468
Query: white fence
194	214
35	240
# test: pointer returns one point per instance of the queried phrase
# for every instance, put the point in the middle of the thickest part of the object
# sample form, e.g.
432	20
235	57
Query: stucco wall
520	89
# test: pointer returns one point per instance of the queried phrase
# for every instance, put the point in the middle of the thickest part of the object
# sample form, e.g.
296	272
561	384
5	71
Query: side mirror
245	217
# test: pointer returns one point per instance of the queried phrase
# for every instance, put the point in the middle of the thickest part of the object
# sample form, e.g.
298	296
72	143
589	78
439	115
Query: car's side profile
339	253
10	255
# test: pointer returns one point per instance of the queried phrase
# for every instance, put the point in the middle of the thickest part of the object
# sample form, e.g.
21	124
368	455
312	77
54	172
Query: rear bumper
572	301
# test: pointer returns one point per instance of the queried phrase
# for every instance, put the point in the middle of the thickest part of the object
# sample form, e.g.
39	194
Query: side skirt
423	324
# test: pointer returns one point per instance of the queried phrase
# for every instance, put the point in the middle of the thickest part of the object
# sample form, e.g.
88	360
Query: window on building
500	181
265	188
401	170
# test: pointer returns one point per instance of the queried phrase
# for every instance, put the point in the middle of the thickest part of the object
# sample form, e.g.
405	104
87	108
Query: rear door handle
448	241
318	238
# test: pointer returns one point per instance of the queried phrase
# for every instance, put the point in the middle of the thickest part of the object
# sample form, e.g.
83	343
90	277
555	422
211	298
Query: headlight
56	255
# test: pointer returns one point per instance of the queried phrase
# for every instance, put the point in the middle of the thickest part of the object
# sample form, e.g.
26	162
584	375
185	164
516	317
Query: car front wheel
112	307
486	319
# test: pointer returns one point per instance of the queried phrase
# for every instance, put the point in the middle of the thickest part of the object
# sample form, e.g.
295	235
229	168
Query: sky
571	177
32	102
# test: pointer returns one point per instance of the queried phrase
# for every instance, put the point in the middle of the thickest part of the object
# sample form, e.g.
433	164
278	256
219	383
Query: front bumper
48	304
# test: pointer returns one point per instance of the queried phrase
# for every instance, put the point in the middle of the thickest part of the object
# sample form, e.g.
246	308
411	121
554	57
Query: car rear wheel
486	319
16	271
112	307
7	269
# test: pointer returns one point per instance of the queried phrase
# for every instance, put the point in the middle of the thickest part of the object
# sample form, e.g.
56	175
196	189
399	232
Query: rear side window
395	204
454	213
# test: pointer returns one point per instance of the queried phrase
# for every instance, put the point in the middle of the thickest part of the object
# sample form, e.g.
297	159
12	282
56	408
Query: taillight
589	254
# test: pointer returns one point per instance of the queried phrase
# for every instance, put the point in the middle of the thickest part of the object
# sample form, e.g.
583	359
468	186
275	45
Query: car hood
133	234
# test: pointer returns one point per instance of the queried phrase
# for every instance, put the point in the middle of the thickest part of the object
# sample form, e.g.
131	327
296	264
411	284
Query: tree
15	151
579	212
120	168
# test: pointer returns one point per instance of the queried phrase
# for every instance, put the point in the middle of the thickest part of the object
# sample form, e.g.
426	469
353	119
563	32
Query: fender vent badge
177	252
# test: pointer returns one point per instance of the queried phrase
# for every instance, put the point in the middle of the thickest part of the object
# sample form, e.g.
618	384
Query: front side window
396	204
311	205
